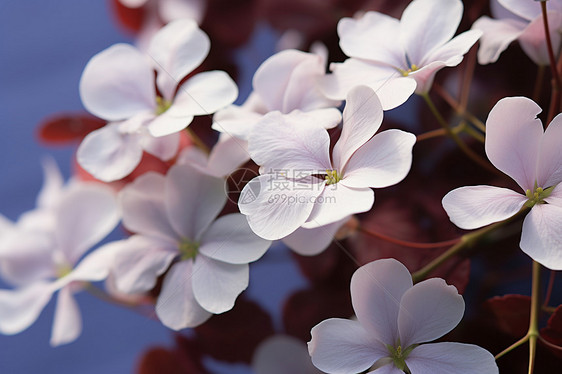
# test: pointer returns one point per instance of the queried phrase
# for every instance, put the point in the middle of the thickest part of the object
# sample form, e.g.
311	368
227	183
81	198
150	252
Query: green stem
538	83
533	332
197	141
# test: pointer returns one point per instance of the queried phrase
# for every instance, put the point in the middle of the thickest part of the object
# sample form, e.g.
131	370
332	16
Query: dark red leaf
511	312
71	127
184	358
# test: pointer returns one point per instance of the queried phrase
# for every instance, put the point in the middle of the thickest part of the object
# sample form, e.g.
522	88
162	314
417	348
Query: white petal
86	215
497	35
193	200
541	237
228	154
143	207
338	201
451	52
108	154
362	117
343	346
216	284
169	122
476	206
384	161
236	121
133	3
176	306
533	40
163	147
282	354
428	310
171	10
524	9
67	325
94	267
118	83
20	308
176	50
52	185
513	135
230	239
376	291
549	168
274	207
446	358
310	242
428	24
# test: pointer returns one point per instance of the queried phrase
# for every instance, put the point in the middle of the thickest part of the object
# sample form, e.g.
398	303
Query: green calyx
188	249
332	177
162	105
537	196
399	355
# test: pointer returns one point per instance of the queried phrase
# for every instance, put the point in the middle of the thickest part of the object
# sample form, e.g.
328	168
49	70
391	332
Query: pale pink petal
555	196
513	136
236	121
367	38
338	201
424	77
497	35
118	83
387	368
163	147
217	284
310	242
20	308
144	211
228	154
176	306
476	206
524	9
85	215
428	310
176	50
6	225
384	161
541	237
376	291
549	166
342	346
171	10
453	51
533	40
67	324
108	154
362	117
139	261
193	200
230	239
447	358
290	142
169	122
282	354
428	24
274	208
53	182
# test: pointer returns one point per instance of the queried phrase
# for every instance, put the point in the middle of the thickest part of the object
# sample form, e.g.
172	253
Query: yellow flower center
537	196
162	105
188	249
332	177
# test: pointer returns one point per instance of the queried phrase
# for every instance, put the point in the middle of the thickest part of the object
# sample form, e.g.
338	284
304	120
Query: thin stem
556	84
535	311
469	152
464	243
408	243
521	341
467	79
549	288
474	133
431	134
197	141
538	83
457	108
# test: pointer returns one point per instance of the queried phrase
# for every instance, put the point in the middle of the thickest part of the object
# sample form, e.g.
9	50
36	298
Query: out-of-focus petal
176	306
376	291
236	121
282	354
227	155
171	10
163	147
541	237
384	161
524	9
67	325
52	185
230	239
476	206
497	35
118	83
343	346
428	310
310	242
447	358
533	40
513	136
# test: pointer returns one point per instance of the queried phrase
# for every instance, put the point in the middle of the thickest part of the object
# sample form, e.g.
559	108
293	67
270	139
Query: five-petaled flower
394	319
517	145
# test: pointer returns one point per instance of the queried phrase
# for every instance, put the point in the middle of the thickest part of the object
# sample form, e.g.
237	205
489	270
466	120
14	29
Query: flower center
411	68
537	196
399	355
332	177
188	249
162	105
63	270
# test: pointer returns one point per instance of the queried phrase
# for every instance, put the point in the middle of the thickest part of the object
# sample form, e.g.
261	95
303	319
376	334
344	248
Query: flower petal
67	325
549	168
193	200
476	206
362	118
53	183
343	346
282	354
524	9
376	291
428	310
118	83
446	358
230	239
310	242
541	237
216	284
513	136
451	52
533	38
497	35
384	161
171	10
176	306
228	154
163	147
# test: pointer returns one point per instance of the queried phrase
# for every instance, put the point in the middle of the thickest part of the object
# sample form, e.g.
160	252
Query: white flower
118	85
519	20
41	255
393	318
171	10
302	187
396	57
517	145
174	217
